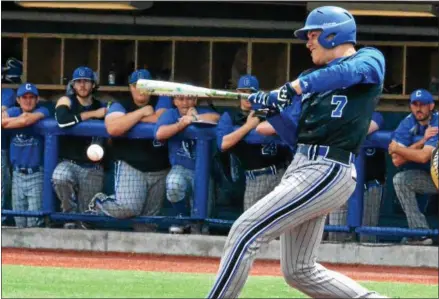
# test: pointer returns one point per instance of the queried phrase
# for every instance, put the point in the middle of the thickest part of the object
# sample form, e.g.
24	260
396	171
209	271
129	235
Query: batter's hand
430	132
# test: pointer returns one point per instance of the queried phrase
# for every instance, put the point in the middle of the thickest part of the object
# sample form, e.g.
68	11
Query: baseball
95	152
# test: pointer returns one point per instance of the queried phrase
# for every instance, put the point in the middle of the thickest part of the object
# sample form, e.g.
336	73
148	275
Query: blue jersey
339	98
26	151
410	131
181	151
8	100
286	123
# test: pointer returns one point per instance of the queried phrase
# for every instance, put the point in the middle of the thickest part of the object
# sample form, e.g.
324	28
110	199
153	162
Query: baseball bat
166	88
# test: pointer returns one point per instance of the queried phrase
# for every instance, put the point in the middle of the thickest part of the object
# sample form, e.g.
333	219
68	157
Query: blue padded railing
204	136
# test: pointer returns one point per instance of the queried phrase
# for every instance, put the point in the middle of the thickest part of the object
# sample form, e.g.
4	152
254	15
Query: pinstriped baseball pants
407	184
296	211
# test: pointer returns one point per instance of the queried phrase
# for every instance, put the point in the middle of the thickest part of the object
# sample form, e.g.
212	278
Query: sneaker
98	196
417	241
70	225
175	229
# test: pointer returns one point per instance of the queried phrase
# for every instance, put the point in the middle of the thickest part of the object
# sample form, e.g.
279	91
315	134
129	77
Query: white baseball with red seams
95	152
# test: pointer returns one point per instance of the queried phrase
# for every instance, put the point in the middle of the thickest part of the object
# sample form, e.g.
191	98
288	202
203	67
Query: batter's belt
329	153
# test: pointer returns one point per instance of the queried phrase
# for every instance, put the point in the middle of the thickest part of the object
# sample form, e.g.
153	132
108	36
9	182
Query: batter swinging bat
165	88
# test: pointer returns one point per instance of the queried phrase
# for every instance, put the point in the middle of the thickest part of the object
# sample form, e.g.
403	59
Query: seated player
414	156
182	154
26	155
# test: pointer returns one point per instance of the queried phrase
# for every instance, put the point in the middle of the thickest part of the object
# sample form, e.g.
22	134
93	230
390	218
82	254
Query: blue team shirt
26	150
410	131
8	100
366	66
162	103
181	151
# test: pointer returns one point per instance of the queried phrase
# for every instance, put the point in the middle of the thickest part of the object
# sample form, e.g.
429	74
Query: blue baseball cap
139	74
83	73
248	82
27	88
422	96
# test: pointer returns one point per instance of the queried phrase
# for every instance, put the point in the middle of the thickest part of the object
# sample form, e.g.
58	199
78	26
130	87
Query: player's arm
66	118
231	139
153	118
367	68
415	155
265	128
208	116
162	105
167	126
118	122
26	119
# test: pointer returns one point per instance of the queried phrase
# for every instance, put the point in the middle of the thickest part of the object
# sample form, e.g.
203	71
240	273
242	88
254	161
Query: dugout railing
204	136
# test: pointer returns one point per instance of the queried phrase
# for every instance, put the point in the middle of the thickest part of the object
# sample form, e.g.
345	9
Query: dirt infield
163	263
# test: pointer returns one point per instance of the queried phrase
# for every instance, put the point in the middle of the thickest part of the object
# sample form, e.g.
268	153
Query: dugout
211	44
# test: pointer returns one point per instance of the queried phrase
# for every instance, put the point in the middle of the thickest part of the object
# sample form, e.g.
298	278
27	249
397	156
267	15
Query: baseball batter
141	165
26	155
76	179
338	99
264	164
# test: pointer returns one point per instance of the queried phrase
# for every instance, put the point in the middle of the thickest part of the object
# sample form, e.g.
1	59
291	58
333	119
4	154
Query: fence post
50	161
202	178
355	203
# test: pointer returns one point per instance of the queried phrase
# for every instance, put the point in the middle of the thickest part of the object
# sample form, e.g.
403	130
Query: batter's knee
175	190
296	276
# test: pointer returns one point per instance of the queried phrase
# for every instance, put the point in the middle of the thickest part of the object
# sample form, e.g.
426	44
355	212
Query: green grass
45	282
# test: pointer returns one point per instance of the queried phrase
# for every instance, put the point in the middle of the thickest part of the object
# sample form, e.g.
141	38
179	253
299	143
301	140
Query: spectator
76	179
414	154
264	164
26	154
375	172
182	154
141	165
8	101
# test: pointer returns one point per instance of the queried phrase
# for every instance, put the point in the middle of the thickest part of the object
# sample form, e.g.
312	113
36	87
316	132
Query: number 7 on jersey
341	102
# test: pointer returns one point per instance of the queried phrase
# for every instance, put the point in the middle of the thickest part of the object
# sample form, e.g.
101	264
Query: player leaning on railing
76	179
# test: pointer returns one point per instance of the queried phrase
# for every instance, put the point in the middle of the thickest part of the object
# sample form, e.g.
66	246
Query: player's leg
259	186
178	186
156	189
91	182
34	195
19	201
338	217
299	247
308	189
371	208
407	185
65	184
130	186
